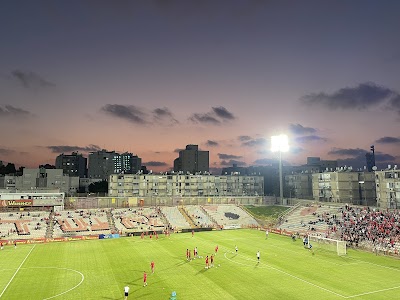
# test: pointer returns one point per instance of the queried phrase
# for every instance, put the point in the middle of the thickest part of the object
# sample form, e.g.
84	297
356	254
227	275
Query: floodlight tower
279	143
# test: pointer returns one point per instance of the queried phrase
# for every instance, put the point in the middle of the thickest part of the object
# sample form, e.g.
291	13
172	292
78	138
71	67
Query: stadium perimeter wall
126	202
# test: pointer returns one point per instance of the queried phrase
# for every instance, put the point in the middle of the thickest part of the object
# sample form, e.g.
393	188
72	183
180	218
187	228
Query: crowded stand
370	228
364	227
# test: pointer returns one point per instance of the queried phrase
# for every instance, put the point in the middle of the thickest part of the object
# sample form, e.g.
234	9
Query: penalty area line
295	277
9	282
373	292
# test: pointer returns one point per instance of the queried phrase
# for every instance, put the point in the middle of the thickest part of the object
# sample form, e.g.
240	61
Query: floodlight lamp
279	143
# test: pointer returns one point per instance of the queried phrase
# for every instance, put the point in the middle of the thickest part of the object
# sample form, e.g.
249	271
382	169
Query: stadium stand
199	216
23	225
128	220
363	227
82	222
176	221
370	228
310	218
229	216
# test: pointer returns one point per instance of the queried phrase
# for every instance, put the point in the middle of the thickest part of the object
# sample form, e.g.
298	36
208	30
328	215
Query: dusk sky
150	77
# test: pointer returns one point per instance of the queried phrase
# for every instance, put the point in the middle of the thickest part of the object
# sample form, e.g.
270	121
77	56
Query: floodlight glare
280	143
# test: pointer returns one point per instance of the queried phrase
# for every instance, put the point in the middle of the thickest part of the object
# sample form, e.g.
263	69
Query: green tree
9	169
98	187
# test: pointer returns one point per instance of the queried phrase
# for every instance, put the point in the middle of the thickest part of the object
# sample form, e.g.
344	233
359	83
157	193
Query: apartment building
345	186
103	163
133	185
74	164
192	160
41	179
388	187
299	186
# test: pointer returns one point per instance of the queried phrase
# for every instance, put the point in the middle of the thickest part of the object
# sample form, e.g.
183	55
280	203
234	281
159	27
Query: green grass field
99	269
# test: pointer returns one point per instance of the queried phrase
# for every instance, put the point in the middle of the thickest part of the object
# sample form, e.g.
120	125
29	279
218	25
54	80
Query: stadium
69	248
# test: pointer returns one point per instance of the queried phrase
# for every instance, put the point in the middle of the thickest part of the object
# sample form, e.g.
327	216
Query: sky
150	77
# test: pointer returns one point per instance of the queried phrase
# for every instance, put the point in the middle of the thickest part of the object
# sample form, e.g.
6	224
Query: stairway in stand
187	217
110	220
50	226
210	217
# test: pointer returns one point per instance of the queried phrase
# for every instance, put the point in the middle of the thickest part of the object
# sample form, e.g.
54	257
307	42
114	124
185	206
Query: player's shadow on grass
201	271
181	263
137	281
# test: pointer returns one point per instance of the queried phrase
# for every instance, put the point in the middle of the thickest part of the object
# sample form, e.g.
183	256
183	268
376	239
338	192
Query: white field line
295	277
357	261
227	250
9	282
377	265
316	257
373	292
74	287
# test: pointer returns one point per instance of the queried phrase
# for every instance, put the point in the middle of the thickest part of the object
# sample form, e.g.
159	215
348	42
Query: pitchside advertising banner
29	202
14	203
60	239
108	236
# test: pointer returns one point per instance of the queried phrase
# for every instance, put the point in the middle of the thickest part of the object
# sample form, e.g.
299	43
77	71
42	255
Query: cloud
215	117
299	129
296	150
155	164
310	138
228	156
388	140
394	104
11	111
255	142
244	138
265	161
356	157
164	115
384	158
212	143
223	113
130	113
347	152
232	162
4	151
30	79
204	118
64	149
361	97
359	161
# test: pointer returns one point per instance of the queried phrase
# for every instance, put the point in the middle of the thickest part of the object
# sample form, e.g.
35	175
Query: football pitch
99	269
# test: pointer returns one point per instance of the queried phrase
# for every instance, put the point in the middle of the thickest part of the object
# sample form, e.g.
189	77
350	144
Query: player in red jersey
207	263
212	260
152	266
142	236
144	278
216	250
192	233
